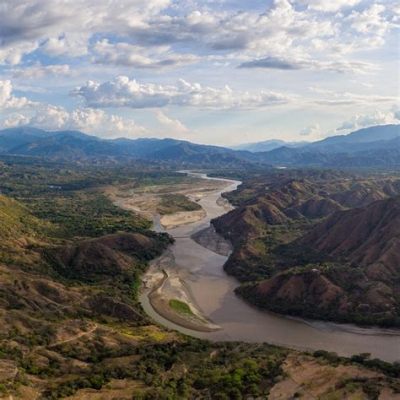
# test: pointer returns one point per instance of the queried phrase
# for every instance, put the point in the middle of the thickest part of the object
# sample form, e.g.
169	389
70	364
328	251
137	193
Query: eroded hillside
324	245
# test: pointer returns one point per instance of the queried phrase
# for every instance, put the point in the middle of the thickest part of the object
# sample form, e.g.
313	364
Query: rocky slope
349	269
277	208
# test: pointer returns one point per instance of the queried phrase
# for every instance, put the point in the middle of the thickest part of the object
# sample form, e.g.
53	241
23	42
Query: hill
377	146
107	256
346	268
277	207
20	232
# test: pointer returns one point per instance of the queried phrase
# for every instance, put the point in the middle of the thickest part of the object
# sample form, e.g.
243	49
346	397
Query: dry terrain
154	200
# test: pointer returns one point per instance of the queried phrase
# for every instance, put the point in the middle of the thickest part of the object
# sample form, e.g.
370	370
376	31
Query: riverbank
213	292
172	205
165	287
164	284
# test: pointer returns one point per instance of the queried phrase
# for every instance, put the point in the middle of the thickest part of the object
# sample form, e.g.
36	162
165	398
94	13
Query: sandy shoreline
145	201
171	221
163	284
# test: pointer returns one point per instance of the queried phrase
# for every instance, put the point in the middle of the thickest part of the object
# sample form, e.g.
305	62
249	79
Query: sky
222	72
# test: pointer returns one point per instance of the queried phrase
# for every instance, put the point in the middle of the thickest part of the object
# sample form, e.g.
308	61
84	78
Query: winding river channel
213	293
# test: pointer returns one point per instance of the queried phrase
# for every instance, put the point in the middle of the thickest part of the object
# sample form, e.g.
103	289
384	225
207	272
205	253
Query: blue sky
222	72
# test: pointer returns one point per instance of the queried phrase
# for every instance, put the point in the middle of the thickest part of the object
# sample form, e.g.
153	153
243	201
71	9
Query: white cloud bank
124	92
8	100
83	28
375	118
19	111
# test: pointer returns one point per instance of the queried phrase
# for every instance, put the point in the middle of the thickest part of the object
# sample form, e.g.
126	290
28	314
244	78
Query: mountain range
267	145
377	146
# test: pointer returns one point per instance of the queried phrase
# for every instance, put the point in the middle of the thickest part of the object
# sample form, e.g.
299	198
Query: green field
180	307
172	203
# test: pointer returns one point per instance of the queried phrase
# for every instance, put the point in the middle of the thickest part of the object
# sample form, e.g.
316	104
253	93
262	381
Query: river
213	292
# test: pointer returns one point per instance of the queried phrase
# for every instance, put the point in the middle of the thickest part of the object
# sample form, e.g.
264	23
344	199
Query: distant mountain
77	146
365	135
267	145
377	146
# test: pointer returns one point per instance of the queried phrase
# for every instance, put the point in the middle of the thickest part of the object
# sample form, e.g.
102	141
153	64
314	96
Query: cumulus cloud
65	27
124	92
19	111
376	118
8	100
174	126
68	28
312	130
94	121
371	25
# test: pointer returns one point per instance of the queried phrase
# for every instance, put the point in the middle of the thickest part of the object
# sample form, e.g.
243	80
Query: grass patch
180	307
148	333
172	203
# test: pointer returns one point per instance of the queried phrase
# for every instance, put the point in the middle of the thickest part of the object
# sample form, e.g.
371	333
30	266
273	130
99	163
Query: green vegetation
72	320
364	359
187	369
86	213
172	203
180	307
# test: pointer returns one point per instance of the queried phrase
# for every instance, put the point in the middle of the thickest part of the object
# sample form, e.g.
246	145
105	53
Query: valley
199	200
201	271
75	324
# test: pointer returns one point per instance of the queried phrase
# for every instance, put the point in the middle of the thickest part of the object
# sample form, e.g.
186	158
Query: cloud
123	92
312	130
53	117
94	121
271	63
287	64
37	71
8	100
67	28
375	118
331	98
174	126
129	55
329	5
371	25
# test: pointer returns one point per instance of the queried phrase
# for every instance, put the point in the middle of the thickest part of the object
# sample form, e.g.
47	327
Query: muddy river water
213	293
